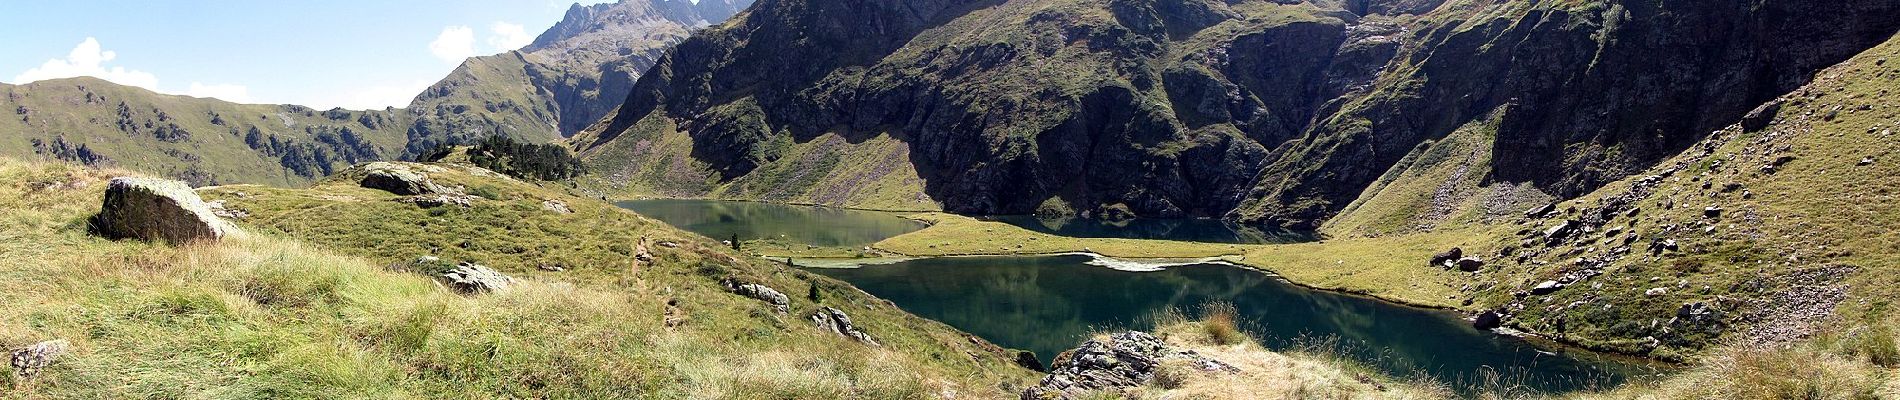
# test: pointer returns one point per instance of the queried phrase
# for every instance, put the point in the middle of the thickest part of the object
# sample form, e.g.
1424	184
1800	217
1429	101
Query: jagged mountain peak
595	19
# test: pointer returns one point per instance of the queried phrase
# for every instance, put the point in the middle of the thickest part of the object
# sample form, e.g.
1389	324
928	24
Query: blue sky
353	54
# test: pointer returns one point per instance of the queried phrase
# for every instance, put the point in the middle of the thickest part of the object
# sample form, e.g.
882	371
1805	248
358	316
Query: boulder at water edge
157	210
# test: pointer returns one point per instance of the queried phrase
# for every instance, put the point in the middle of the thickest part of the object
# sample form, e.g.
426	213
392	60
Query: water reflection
1049	304
1189	230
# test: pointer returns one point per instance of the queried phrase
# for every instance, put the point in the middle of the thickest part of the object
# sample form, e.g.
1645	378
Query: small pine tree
735	242
814	294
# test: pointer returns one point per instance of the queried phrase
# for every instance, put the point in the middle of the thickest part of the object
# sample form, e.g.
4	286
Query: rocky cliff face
1254	110
569	77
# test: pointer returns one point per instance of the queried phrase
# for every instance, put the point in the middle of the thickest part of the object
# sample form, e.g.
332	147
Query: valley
1035	199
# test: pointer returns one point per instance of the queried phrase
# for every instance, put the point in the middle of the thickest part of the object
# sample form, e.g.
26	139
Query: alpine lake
1049	304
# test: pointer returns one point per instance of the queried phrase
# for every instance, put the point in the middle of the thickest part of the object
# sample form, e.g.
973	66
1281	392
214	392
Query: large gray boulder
399	179
157	210
476	278
777	299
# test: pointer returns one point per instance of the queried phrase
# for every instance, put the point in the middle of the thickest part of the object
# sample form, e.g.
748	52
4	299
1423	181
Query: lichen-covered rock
835	320
556	206
476	278
1123	360
28	361
764	293
157	210
399	179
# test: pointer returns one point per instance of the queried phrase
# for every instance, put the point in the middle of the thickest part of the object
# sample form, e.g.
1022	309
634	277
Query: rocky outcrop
27	362
835	321
761	292
472	278
157	210
1120	361
399	179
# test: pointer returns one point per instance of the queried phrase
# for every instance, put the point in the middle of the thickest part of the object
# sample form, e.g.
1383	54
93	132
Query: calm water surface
1049	304
818	226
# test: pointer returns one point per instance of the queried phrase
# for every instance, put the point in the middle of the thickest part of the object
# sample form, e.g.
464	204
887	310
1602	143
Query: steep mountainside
1259	111
568	78
203	141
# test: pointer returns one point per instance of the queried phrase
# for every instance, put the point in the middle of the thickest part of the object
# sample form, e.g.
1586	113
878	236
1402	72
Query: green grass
323	316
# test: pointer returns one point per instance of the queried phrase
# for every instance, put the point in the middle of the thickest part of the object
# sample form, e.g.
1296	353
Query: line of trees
546	162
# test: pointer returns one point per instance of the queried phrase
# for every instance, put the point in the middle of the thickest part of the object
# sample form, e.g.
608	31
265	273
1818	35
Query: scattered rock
1546	287
1653	292
669	244
1540	212
439	200
1712	212
472	278
556	206
399	179
157	210
1125	360
1029	360
1446	258
218	208
1759	118
761	292
834	320
29	361
1557	233
1865	161
1488	320
1470	264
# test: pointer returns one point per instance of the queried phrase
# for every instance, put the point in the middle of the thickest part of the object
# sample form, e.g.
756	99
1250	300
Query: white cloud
454	44
226	92
506	36
88	59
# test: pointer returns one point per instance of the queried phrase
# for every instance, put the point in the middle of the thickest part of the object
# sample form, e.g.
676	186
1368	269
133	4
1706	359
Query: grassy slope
268	316
60	107
489	94
653	159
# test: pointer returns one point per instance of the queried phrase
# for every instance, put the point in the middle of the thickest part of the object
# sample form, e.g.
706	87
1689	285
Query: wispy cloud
506	36
88	59
454	44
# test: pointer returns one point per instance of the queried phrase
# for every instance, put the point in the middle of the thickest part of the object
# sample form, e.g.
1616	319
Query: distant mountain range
566	79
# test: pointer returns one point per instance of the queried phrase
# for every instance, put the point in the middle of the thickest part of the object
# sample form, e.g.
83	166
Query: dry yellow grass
1266	374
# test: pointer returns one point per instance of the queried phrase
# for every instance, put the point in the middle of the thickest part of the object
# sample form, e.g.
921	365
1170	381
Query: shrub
1217	321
